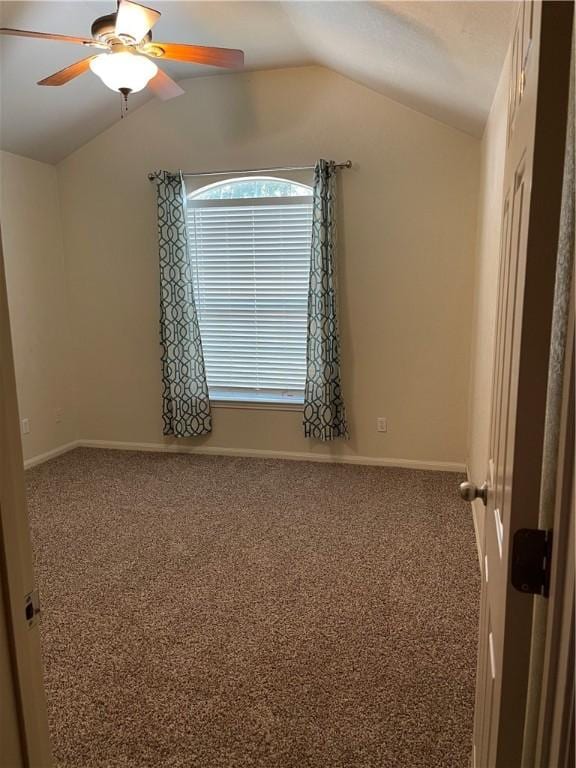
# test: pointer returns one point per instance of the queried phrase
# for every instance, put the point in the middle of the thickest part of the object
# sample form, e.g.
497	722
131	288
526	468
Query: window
249	241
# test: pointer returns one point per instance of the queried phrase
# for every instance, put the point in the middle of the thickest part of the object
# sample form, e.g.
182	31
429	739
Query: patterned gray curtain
324	413
186	406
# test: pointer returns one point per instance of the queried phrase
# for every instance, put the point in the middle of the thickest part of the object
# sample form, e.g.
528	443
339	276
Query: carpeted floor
239	613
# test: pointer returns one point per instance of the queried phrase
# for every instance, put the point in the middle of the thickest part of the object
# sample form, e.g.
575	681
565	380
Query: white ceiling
441	58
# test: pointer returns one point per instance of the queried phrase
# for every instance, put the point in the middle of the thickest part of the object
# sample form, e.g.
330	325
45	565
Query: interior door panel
540	52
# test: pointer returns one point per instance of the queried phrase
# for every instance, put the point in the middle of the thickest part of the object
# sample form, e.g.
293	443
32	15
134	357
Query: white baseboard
42	457
438	466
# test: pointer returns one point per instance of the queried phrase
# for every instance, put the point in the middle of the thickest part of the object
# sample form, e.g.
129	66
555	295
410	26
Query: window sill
253	405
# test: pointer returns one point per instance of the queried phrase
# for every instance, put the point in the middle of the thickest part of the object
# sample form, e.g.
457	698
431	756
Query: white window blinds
250	262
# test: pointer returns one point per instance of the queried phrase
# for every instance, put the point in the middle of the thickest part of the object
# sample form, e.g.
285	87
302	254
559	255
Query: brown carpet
224	612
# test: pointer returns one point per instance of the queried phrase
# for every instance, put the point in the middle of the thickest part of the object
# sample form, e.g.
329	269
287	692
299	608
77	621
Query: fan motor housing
104	28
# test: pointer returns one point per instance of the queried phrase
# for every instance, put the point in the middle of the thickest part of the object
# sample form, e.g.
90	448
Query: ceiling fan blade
49	36
164	87
229	58
135	20
68	73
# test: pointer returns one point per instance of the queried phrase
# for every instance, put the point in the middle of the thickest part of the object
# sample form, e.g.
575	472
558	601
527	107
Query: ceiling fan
127	63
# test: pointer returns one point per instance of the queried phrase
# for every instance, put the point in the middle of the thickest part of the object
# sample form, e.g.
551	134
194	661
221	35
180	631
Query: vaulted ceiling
440	58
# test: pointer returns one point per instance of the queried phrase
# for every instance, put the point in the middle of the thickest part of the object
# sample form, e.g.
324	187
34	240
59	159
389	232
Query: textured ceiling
441	58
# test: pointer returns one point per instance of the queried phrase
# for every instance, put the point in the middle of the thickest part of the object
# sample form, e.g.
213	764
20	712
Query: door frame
555	725
16	566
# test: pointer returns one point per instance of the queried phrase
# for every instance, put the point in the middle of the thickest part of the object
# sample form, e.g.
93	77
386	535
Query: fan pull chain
124	102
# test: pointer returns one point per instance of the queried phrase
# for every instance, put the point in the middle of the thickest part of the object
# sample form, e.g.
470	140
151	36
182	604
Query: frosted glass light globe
124	70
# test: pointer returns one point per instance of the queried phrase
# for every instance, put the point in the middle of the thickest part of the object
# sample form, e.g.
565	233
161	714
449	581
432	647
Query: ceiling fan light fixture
124	71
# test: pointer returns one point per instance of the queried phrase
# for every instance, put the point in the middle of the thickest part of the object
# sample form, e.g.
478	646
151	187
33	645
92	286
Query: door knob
469	492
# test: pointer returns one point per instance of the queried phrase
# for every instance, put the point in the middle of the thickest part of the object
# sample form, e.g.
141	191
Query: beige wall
38	300
407	233
486	284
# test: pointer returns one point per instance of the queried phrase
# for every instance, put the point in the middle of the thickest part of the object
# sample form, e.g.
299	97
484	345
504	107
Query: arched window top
251	187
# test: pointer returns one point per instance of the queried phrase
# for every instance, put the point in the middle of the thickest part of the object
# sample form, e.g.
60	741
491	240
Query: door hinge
531	561
32	608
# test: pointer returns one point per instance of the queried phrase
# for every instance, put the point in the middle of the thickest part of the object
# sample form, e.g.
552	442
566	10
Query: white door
538	99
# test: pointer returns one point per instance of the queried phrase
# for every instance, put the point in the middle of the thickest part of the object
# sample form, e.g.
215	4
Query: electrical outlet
381	424
25	426
59	415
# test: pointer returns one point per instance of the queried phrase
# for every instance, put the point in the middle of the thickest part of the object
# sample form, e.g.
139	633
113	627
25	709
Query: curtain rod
346	164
